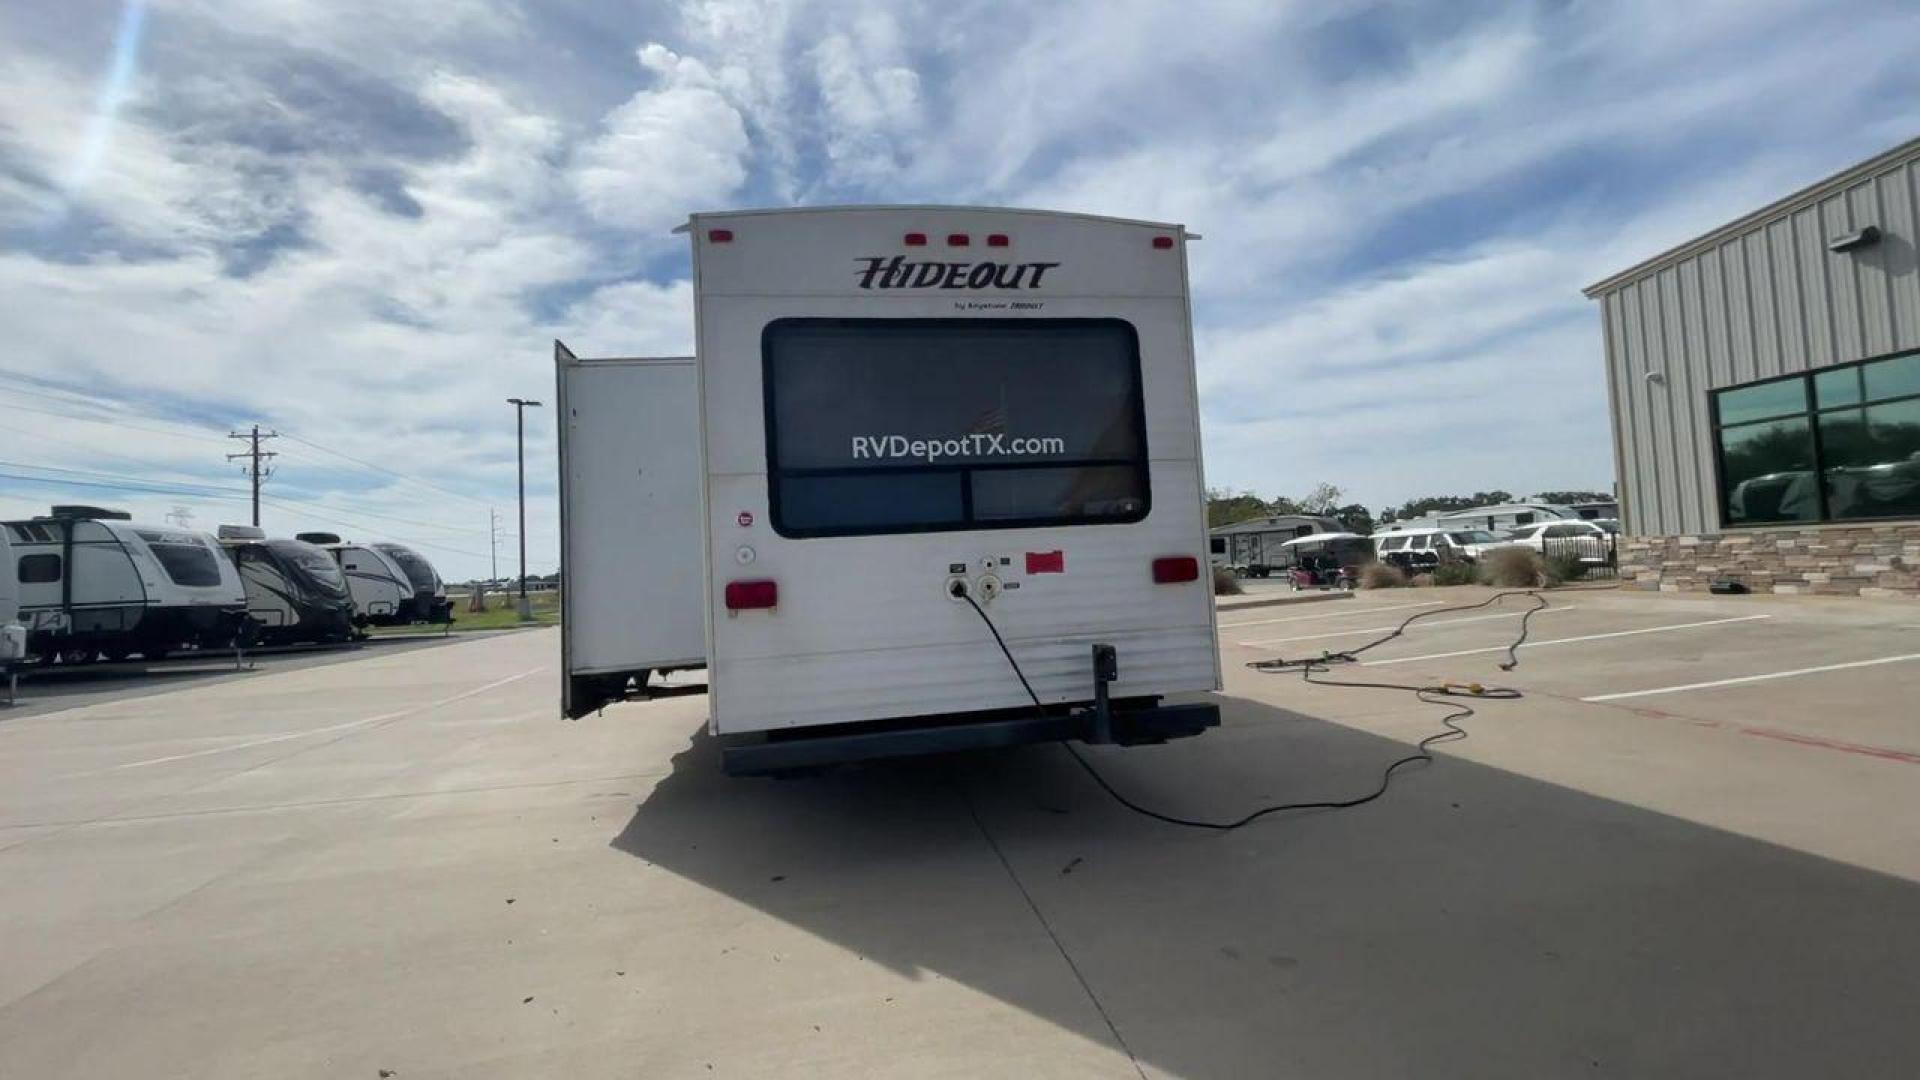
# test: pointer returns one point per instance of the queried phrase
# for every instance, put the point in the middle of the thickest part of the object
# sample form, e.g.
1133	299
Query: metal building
1765	389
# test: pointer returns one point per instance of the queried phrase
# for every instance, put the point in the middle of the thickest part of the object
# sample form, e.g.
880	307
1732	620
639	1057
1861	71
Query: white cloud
664	149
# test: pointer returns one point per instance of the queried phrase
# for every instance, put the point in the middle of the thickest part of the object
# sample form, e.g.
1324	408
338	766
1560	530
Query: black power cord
1431	695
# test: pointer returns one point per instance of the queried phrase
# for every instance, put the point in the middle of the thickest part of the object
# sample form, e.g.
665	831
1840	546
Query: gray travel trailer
92	583
13	636
390	584
295	591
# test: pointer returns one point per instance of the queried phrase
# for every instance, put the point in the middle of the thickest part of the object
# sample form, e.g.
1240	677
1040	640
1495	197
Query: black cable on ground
1431	695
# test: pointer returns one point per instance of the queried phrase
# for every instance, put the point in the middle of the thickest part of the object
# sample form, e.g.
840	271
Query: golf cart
1327	560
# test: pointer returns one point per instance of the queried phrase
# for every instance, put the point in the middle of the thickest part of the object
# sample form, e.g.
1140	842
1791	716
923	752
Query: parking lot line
1753	678
1383	629
1570	640
347	726
1332	614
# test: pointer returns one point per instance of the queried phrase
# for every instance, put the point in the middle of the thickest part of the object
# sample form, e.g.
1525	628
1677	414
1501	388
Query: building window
1840	444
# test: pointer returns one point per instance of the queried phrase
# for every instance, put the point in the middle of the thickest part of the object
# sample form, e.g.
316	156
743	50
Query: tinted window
1872	460
39	569
1217	545
1768	471
899	425
1830	388
309	560
1763	401
1393	543
1897	377
190	565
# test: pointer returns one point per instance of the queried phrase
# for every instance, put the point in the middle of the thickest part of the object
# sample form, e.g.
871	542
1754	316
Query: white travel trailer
908	411
429	603
631	599
382	594
13	636
92	583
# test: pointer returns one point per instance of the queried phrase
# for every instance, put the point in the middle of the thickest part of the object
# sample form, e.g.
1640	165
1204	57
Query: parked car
1415	549
1585	540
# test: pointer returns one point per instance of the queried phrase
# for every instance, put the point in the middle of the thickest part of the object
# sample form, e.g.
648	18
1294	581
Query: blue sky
363	221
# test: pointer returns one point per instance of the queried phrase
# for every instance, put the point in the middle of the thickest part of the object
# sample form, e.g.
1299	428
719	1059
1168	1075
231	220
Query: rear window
923	425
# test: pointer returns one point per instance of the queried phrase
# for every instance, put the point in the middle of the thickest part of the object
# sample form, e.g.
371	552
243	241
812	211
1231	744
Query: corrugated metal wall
1767	300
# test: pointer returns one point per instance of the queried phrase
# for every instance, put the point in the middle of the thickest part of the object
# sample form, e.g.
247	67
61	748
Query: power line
369	528
382	469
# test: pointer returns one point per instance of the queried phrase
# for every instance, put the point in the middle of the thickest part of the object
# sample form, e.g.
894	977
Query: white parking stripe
1332	614
1754	678
1569	640
1396	626
347	726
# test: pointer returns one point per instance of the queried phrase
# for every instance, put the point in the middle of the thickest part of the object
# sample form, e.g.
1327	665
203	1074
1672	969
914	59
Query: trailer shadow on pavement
1472	922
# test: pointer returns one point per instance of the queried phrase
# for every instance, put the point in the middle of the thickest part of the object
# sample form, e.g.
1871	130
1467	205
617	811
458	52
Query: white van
93	583
632	599
908	411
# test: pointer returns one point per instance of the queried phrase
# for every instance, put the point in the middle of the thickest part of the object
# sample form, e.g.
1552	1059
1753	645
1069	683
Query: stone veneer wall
1830	560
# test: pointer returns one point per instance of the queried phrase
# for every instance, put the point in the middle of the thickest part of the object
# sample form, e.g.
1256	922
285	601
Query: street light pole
520	407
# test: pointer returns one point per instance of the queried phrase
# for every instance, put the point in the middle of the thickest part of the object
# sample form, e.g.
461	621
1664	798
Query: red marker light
916	239
1174	569
720	236
958	239
752	595
1046	562
1163	242
998	240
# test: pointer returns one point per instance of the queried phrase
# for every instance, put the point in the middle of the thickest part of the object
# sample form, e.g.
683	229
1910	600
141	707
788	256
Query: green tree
1355	518
1225	506
1321	500
1566	498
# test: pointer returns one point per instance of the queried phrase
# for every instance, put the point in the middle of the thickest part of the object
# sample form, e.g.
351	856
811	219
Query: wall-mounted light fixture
1656	377
1865	236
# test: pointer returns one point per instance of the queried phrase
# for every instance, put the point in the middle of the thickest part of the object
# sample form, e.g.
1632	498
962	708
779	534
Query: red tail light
998	240
1174	569
916	239
752	595
958	239
1163	242
720	236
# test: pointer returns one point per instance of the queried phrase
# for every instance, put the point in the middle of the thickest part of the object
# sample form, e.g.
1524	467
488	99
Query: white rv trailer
906	408
631	600
429	603
93	583
13	636
382	594
295	591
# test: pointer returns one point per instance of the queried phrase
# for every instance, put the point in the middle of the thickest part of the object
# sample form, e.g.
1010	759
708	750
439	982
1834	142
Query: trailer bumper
791	751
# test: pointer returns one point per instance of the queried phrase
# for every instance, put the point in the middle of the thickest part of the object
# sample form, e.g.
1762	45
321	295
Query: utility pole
493	541
520	407
255	470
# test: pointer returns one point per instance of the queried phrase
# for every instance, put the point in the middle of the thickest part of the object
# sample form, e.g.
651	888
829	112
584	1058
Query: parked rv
13	636
381	591
910	413
92	583
632	601
295	591
429	603
1257	548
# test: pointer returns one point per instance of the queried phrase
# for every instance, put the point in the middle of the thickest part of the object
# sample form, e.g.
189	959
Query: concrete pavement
406	862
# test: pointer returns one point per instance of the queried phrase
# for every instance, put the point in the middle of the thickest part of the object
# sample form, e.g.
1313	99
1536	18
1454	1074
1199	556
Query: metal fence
1598	555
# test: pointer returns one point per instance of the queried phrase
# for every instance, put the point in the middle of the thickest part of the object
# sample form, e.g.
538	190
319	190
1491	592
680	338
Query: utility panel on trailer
631	574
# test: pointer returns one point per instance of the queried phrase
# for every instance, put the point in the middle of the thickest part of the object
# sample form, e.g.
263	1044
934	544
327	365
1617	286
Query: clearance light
720	236
1163	242
998	239
752	595
958	239
916	239
1174	569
